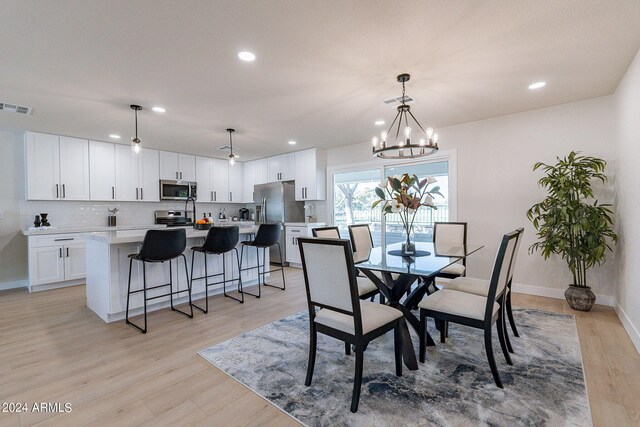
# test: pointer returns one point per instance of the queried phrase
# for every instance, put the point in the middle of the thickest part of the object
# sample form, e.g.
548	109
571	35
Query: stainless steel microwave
177	190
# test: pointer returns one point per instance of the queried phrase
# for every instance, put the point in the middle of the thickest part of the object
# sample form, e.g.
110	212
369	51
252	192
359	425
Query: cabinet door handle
63	240
60	252
57	192
67	252
212	196
230	196
180	175
64	192
141	194
176	175
137	193
215	196
113	193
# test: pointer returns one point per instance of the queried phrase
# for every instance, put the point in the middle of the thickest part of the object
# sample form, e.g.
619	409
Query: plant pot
580	298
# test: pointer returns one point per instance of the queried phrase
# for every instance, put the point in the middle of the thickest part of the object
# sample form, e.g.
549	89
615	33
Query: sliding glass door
353	194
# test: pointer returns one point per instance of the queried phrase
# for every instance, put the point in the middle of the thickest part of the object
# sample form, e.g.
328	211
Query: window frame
450	156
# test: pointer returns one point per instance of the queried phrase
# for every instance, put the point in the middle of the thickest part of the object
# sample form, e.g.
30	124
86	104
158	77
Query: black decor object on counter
37	222
44	222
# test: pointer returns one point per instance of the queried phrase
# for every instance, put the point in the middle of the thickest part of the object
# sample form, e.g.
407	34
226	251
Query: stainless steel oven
177	190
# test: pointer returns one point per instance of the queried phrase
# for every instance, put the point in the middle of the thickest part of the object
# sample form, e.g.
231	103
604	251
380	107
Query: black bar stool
219	241
267	236
159	246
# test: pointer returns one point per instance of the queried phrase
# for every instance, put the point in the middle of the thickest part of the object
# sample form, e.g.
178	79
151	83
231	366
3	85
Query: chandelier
411	142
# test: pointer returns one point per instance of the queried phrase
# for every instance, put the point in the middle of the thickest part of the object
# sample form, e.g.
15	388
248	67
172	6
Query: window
352	193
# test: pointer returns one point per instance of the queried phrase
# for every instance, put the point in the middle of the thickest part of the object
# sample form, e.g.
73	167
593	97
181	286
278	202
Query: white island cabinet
108	272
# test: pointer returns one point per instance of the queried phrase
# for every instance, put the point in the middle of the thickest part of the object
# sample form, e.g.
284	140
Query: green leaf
380	193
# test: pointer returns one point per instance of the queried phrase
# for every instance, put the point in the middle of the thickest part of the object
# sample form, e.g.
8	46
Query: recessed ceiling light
246	56
114	136
379	122
158	109
292	143
537	85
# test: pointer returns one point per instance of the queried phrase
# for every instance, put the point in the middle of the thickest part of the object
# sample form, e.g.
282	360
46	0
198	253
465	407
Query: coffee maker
243	214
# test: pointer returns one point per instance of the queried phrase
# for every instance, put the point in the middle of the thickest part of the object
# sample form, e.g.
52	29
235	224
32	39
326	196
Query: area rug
544	387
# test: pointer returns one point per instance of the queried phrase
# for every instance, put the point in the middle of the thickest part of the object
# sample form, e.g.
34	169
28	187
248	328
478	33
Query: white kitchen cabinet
203	179
220	180
56	260
57	167
149	175
177	166
235	183
292	233
281	168
102	171
248	181
137	176
310	174
262	171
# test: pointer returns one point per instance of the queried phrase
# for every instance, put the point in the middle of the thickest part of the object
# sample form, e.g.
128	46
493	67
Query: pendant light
407	142
232	158
136	143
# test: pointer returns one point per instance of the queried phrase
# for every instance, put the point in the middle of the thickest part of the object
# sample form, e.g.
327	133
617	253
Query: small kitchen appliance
243	214
177	218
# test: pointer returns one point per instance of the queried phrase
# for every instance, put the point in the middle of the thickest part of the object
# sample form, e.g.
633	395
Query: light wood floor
54	349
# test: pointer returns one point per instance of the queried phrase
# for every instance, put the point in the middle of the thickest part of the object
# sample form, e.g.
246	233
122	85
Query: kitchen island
108	271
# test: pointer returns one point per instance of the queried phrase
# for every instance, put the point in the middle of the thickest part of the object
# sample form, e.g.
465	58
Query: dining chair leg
357	381
313	341
510	314
397	347
492	361
347	348
503	344
443	333
422	332
504	328
186	272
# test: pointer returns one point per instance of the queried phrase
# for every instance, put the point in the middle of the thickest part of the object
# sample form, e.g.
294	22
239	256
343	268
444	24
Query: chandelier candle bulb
374	141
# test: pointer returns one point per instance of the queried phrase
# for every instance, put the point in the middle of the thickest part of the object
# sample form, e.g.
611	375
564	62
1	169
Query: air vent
13	108
398	100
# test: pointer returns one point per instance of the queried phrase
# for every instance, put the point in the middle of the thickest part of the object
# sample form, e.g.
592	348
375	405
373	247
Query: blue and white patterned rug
544	387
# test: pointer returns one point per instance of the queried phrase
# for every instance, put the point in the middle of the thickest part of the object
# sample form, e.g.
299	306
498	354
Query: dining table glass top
439	256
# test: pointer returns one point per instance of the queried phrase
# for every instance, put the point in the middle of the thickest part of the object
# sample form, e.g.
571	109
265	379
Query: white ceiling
322	68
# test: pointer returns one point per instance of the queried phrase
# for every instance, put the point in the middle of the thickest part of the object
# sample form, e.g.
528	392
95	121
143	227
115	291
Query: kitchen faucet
186	204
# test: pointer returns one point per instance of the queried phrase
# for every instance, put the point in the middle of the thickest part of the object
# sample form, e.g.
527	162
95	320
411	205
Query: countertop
137	236
41	231
305	224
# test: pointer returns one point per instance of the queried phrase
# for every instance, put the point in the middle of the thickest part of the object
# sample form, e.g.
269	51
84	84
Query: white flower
396	207
428	200
431	180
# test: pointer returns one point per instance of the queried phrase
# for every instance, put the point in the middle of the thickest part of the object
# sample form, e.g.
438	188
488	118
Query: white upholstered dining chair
336	310
476	311
445	236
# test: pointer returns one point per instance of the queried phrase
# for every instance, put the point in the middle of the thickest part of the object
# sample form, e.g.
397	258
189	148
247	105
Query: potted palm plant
571	223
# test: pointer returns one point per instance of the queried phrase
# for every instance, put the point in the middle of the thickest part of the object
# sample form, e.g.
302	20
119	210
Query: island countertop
136	236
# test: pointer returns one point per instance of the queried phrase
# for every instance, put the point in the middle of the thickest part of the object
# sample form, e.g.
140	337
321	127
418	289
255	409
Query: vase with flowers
404	195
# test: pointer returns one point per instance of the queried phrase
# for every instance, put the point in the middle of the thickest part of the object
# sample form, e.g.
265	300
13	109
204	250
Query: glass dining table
395	276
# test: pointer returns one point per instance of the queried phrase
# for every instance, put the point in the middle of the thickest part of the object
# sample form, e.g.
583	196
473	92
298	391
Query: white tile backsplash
94	214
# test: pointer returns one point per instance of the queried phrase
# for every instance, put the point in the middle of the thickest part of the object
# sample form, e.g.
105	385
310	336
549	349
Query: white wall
496	185
627	124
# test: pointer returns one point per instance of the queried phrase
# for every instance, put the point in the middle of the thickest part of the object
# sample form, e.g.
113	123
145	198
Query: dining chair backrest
361	241
163	245
326	232
500	272
329	276
221	240
451	233
512	268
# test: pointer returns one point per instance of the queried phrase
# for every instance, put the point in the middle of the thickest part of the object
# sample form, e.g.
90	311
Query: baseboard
542	291
628	326
13	285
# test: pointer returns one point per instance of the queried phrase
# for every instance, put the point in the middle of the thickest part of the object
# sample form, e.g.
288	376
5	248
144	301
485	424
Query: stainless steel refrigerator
276	203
